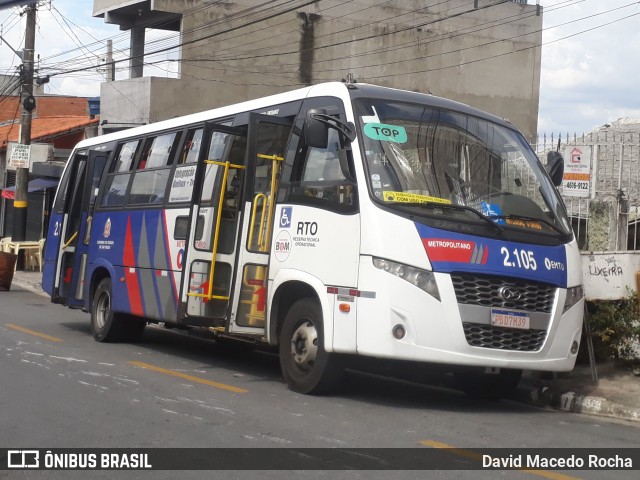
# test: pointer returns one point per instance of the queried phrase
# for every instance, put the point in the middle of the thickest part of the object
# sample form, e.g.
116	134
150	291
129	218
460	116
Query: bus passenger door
89	191
266	149
70	228
211	242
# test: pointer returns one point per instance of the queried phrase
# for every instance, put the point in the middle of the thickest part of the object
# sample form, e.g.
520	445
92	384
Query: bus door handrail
252	223
216	233
266	230
264	237
70	241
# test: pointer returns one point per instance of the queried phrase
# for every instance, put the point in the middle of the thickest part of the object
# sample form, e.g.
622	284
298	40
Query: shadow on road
396	384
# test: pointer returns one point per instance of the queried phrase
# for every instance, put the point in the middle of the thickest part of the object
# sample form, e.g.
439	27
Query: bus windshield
456	165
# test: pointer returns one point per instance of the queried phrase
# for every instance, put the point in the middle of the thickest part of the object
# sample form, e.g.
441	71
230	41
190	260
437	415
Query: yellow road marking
191	378
33	332
476	456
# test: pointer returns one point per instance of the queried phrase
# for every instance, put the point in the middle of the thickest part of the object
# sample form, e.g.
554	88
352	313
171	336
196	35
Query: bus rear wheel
107	325
305	364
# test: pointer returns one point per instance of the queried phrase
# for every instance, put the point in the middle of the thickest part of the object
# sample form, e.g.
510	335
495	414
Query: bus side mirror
555	167
316	133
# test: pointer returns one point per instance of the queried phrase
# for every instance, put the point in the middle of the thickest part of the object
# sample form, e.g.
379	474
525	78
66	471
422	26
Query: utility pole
28	105
111	70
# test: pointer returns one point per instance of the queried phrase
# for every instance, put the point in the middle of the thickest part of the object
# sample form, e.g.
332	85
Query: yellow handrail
253	219
265	234
73	237
271	201
216	233
222	164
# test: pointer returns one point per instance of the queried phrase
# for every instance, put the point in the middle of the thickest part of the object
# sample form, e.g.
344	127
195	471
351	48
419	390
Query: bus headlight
574	295
422	279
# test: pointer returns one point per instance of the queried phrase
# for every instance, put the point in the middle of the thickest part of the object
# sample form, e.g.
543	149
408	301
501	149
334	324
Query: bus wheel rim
304	346
103	309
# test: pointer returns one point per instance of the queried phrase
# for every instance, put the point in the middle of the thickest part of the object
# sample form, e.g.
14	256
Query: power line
165	40
199	39
493	42
209	24
509	53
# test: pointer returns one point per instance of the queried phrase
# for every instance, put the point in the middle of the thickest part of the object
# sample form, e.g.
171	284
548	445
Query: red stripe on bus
167	247
131	278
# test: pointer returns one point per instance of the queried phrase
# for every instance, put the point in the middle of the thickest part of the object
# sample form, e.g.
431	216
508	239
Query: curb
603	407
573	402
29	287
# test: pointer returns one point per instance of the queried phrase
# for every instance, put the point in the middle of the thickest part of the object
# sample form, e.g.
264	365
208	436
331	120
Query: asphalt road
61	389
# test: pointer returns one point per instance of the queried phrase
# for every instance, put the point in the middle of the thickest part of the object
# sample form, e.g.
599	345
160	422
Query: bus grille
487	336
485	290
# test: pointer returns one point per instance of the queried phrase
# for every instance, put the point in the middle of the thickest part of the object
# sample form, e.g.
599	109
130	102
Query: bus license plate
509	319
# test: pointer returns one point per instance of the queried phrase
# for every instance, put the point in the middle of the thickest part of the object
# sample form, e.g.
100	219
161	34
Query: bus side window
118	179
217	147
191	148
125	157
323	164
154	169
158	151
321	177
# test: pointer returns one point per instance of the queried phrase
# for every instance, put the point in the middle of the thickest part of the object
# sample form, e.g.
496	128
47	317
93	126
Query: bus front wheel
305	364
107	325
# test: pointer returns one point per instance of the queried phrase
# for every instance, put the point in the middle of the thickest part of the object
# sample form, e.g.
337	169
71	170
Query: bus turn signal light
344	307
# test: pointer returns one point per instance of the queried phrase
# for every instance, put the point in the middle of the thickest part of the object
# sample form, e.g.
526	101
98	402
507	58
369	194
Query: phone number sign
20	156
576	181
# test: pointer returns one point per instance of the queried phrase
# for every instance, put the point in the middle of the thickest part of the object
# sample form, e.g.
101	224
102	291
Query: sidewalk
615	394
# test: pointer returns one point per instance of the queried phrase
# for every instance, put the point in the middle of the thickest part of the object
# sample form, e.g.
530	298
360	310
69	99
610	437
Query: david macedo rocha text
570	461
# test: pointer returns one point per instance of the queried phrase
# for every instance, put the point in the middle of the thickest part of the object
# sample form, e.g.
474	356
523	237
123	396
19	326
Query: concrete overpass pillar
137	52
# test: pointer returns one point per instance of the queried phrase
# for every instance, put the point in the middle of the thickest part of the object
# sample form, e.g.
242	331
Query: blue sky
587	80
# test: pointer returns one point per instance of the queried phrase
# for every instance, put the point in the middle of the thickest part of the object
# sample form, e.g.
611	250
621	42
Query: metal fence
614	185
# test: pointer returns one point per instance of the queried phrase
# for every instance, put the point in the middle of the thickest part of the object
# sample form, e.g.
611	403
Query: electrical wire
486	44
508	53
222	66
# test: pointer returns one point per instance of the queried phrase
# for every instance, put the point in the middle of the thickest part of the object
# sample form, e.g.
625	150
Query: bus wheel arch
285	296
98	275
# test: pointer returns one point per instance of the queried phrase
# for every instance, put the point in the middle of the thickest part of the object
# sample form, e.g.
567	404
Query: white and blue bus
328	222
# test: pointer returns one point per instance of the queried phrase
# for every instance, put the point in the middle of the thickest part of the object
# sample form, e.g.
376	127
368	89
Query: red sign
456	251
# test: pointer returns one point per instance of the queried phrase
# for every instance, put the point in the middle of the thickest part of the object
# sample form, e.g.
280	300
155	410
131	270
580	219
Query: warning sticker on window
404	197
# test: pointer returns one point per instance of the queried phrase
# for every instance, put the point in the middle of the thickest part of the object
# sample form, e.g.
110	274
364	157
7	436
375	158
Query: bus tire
106	325
484	386
306	366
132	329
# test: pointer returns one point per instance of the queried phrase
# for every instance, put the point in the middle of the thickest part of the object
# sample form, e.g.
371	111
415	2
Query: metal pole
19	232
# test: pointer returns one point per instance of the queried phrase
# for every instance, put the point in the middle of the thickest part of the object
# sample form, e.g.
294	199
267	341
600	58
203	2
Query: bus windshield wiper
528	219
450	206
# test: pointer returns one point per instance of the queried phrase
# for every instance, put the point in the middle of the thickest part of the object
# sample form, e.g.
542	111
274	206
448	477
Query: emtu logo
23	459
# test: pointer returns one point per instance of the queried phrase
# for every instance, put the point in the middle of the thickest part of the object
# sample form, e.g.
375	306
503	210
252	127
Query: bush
615	328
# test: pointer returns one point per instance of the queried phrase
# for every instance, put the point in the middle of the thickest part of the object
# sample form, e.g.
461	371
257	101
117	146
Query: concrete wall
150	99
609	275
400	44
